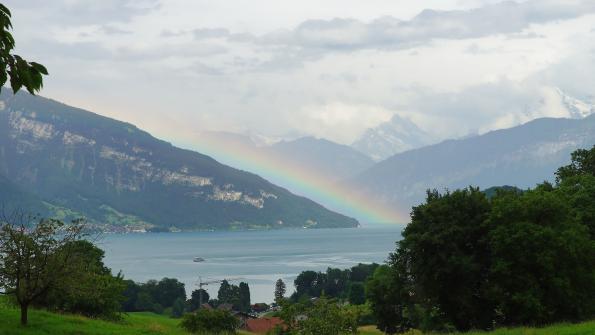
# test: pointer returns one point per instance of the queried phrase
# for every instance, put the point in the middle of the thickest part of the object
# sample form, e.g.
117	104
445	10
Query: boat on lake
198	259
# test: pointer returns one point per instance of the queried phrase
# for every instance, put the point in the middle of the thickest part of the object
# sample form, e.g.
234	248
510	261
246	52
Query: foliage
280	289
207	321
195	299
91	289
244	297
323	317
178	308
237	296
582	163
357	294
472	262
152	296
445	249
36	257
333	283
21	72
543	260
387	293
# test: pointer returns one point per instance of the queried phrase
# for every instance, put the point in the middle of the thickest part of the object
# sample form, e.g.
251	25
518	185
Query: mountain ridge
520	156
113	171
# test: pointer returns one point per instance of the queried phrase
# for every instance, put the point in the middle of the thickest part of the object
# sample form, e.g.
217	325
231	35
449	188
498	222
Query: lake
257	257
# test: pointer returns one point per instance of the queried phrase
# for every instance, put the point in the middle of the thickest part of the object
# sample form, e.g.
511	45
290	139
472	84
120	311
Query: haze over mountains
67	162
392	137
521	156
73	162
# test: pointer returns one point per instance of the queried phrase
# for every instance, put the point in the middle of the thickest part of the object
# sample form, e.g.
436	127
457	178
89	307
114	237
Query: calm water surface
259	258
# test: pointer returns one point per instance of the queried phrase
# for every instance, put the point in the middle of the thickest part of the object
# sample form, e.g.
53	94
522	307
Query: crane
202	283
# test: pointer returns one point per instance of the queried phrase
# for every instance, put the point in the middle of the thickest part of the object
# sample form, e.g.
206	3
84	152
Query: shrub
206	321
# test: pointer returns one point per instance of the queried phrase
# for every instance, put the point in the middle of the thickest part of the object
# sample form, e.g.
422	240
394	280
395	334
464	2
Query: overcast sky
328	68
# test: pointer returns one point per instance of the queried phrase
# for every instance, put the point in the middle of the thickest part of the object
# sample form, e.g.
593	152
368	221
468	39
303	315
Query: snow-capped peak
577	108
392	137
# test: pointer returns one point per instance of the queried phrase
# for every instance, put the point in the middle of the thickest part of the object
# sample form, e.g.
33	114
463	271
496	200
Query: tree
387	292
309	283
144	302
167	291
20	72
34	258
280	290
198	296
582	162
90	289
357	293
543	266
336	282
445	249
361	272
178	308
244	297
130	293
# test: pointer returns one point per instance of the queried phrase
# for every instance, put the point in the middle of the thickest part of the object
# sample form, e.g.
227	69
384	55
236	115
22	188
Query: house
262	325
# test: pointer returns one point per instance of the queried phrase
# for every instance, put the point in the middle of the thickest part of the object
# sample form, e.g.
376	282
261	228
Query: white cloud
329	70
339	122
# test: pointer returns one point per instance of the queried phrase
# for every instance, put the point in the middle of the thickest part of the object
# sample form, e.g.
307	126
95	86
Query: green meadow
46	323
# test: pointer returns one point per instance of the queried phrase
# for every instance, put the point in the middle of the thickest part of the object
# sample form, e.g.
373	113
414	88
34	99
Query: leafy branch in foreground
22	73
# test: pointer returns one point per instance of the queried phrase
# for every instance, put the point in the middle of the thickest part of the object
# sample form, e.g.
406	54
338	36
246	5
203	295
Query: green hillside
118	175
45	323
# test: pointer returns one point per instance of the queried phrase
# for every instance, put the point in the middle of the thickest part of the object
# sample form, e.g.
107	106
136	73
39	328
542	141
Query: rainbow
300	181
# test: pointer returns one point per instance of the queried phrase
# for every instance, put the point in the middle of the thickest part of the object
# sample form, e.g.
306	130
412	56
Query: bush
323	317
206	321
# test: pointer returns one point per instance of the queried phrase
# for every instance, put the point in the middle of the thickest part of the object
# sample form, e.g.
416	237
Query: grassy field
585	328
45	323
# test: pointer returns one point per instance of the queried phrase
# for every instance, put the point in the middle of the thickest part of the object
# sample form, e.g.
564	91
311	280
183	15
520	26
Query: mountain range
520	156
392	137
72	162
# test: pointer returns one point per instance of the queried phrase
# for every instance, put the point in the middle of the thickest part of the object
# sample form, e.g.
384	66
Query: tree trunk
24	314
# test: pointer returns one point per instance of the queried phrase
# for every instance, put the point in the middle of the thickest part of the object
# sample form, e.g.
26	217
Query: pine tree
244	297
280	290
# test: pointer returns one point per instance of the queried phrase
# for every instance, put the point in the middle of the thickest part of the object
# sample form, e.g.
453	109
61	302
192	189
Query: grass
585	328
42	322
46	323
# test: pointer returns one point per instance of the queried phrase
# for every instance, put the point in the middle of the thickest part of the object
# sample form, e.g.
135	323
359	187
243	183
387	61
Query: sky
329	69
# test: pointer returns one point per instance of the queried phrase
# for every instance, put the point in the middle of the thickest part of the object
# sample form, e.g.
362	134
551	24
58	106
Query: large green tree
13	68
543	259
90	288
445	251
513	258
36	256
244	297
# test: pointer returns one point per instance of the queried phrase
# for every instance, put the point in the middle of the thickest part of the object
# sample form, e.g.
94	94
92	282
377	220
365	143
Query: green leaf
5	10
40	68
15	83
